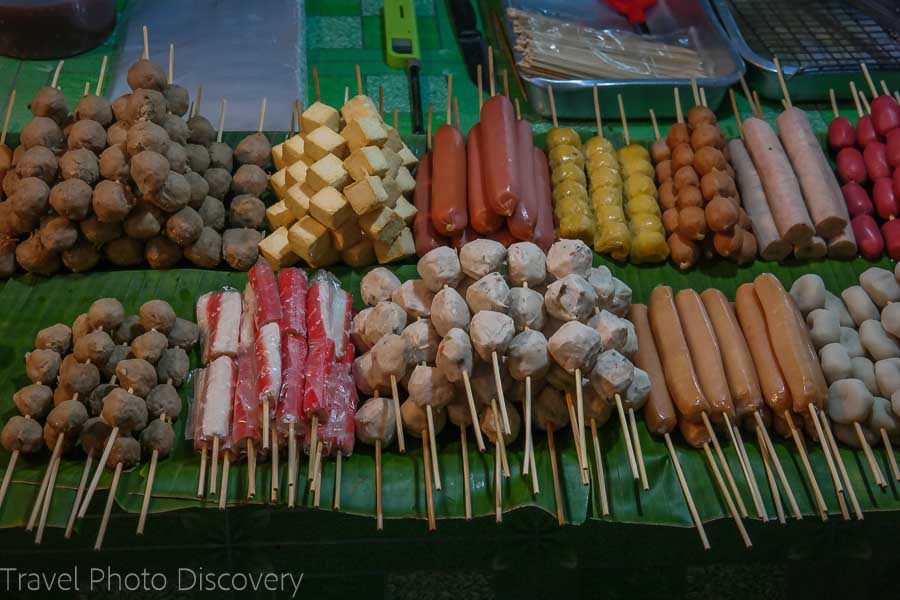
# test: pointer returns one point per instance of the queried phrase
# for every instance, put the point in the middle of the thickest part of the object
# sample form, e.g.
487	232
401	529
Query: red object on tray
635	10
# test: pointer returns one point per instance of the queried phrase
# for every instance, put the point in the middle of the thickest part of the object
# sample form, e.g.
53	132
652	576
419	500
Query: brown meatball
72	199
129	329
176	127
146	74
184	227
34	257
717	183
240	248
722	213
254	149
34	400
700	115
126	451
692	223
38	162
120	107
42	131
202	131
58	234
664	171
659	151
173	365
143	222
7	258
212	211
89	135
79	377
42	366
158	437
149	346
111	201
682	156
219	181
31	200
80	164
125	252
125	410
178	99
199	189
137	375
117	134
689	196
708	158
184	334
666	195
56	337
684	177
197	157
678	134
707	134
221	156
173	195
206	252
50	102
81	257
250	179
100	233
177	158
95	108
94	347
146	135
106	314
162	253
684	253
146	105
149	170
157	314
247	211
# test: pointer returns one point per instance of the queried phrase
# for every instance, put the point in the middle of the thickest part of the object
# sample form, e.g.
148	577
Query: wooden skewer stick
728	501
9	108
251	469
79	494
146	55
294	450
87	88
201	480
758	104
171	75
359	82
834	106
688	497
107	511
456	112
214	474
889	449
804	457
695	92
870	457
449	98
381	100
528	442
582	442
317	480
865	102
773	485
336	505
496	362
396	117
598	465
835	478
770	447
597	116
868	78
429	499
702	96
498	480
198	98
222	109
535	486
473	412
313	436
467	492
557	492
749	477
480	87
99	88
379	510
855	95
630	449
435	468
493	90
48	498
724	462
223	493
315	76
148	491
679	115
884	88
262	120
639	454
552	106
854	502
401	443
783	83
748	95
55	79
501	441
276	474
573	421
101	464
737	114
505	77
624	119
428	127
655	124
7	477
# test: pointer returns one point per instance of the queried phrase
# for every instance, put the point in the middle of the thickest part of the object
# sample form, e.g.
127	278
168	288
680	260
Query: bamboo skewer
170	79
435	468
379	511
770	476
55	80
9	108
576	439
728	501
854	502
889	450
223	493
557	492
491	82
146	55
42	491
337	480
401	442
598	465
835	478
104	522
597	116
760	426
79	494
251	469
48	498
276	471
801	448
201	480
724	462
429	498
745	467
496	362
582	441
148	489
221	130
467	492
632	462
313	438
7	477
639	454
99	88
317	478
528	441
868	77
688	497
870	457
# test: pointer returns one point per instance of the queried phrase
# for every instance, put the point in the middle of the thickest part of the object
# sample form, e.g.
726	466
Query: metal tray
820	44
574	97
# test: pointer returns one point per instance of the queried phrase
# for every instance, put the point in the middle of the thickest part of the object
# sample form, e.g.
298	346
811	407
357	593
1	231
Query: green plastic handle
400	32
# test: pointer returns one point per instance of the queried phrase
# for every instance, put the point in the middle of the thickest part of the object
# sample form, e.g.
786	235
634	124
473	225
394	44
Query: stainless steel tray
574	97
819	43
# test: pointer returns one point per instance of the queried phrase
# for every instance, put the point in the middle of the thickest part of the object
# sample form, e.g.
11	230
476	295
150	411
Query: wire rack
823	36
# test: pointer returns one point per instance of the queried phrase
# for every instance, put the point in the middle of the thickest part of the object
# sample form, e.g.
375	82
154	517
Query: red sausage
426	237
503	236
544	231
841	134
498	145
875	157
865	131
448	193
851	166
885	114
856	199
892	148
458	241
885	199
521	223
481	217
891	231
896	179
868	237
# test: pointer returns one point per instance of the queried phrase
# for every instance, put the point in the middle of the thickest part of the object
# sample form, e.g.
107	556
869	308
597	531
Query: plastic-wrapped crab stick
287	419
245	423
292	290
268	372
219	318
220	381
268	299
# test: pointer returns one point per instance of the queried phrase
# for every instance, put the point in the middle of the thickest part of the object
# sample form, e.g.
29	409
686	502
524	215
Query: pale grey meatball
199	189
173	365
221	156
176	127
201	131
178	99
163	400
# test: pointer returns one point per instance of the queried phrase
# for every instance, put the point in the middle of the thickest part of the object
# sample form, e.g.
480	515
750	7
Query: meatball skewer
551	415
21	435
491	333
374	426
126	453
94	434
455	360
158	438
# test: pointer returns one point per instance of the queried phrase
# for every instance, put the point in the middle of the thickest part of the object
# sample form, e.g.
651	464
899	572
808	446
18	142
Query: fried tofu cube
405	181
365	131
278	183
330	257
361	254
347	234
409	159
296	173
366	195
393	160
366	161
406	210
293	149
324	141
394	141
297	199
329	207
320	115
358	107
276	249
309	239
401	247
382	225
278	156
326	172
392	188
278	215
